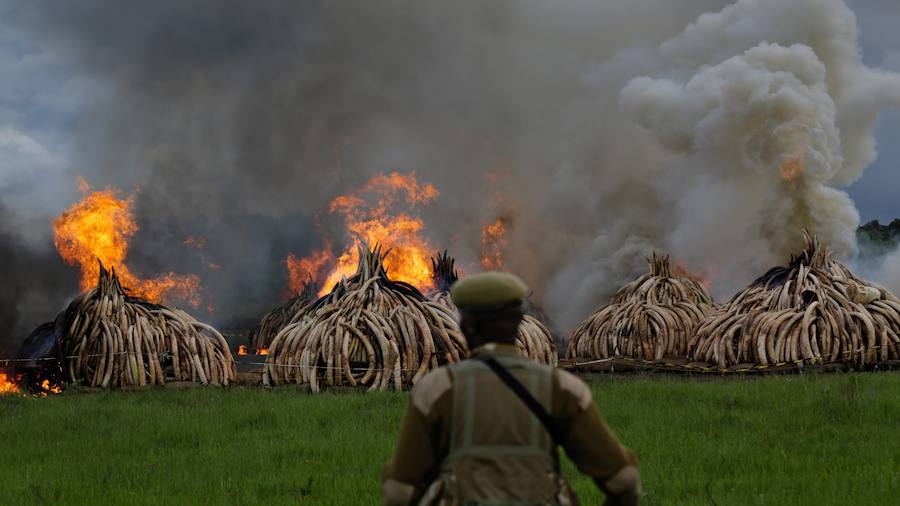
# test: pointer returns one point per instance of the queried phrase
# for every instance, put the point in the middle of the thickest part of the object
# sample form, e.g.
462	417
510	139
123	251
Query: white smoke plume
763	110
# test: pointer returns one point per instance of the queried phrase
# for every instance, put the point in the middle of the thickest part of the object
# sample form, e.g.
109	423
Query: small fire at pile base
292	311
812	311
650	318
107	338
535	341
368	331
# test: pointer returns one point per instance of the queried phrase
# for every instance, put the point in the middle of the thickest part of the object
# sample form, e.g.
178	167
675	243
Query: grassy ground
819	439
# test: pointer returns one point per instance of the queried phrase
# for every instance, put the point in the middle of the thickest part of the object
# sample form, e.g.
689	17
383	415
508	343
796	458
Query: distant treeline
877	239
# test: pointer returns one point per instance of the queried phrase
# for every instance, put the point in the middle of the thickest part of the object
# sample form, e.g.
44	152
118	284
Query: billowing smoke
762	111
715	131
754	145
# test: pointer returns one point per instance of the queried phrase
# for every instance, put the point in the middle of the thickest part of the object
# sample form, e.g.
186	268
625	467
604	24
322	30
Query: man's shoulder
573	386
430	388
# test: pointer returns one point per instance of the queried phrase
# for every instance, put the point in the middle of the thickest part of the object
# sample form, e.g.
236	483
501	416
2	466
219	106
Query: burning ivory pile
291	311
814	310
534	341
650	318
369	331
112	339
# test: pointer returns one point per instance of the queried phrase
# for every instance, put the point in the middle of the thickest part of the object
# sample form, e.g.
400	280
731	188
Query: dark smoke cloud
239	121
34	287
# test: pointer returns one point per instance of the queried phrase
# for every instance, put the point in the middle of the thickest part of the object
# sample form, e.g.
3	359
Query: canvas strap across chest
498	448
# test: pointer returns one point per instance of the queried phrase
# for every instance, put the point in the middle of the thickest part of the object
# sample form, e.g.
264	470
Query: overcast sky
40	92
876	194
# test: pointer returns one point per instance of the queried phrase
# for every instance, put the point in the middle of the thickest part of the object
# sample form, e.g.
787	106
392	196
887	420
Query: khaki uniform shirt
426	433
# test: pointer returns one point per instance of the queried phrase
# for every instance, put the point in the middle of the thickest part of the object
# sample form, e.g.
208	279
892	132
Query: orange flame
242	350
8	385
681	270
371	215
493	243
304	270
99	227
792	169
47	388
198	243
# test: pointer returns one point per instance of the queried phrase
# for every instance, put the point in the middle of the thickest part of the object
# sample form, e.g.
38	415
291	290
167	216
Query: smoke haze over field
610	128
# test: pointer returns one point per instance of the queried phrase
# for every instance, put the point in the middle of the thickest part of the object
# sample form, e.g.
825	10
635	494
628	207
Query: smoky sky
239	121
24	294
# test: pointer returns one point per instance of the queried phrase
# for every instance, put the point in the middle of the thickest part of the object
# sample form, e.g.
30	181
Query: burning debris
814	310
368	331
292	311
7	385
107	338
649	318
535	341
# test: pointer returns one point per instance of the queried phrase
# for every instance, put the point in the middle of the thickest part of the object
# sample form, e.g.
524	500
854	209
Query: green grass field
815	439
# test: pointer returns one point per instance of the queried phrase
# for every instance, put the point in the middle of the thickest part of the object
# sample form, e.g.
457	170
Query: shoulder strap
524	395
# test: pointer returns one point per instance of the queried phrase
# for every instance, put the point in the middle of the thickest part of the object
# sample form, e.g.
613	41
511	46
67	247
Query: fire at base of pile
812	311
650	318
106	338
270	325
535	341
369	331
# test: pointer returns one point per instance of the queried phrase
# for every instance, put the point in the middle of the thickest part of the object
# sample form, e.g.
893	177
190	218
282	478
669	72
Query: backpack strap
524	395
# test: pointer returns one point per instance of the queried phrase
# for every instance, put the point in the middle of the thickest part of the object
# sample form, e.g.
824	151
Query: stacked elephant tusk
268	327
534	341
650	318
114	340
814	310
368	331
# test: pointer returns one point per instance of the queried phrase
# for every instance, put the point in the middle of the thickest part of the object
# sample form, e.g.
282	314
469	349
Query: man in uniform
486	430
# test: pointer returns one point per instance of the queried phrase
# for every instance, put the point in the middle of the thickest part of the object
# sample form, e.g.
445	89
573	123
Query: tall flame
98	228
493	244
373	214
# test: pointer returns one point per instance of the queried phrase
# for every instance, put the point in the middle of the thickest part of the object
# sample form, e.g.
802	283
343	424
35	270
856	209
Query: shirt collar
496	349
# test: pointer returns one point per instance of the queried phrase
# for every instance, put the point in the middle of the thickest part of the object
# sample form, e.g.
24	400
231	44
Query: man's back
468	437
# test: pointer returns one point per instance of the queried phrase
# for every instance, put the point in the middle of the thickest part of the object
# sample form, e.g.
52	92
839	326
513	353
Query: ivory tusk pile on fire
650	318
369	331
262	335
812	311
107	338
535	341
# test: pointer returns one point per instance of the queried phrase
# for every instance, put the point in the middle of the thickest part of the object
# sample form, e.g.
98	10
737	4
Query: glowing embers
242	351
650	318
14	385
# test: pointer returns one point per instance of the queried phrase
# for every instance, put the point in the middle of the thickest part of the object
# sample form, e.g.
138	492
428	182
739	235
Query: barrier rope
575	365
802	364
